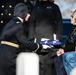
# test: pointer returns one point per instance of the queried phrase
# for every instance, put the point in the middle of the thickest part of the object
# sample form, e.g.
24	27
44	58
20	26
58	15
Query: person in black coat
12	38
45	22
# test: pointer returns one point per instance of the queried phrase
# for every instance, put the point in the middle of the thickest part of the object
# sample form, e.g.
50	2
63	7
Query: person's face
73	19
27	17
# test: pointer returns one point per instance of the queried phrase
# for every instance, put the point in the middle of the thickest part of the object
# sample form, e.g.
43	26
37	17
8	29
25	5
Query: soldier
11	39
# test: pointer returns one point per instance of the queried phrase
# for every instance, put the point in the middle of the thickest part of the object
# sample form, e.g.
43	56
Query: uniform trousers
47	64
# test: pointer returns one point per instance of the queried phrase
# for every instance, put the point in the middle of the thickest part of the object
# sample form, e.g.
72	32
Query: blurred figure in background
46	23
46	20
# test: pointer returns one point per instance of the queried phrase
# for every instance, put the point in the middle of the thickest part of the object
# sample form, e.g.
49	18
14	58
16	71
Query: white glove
46	46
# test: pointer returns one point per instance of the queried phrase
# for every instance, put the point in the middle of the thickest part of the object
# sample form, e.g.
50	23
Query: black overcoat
13	32
45	21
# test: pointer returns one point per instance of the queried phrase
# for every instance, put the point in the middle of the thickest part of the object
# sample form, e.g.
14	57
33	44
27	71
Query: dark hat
20	10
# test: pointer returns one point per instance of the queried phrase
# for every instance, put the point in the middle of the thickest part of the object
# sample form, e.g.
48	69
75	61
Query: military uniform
11	39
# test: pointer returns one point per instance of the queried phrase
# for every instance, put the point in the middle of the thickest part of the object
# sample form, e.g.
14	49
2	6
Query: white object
27	64
73	72
54	35
44	39
46	46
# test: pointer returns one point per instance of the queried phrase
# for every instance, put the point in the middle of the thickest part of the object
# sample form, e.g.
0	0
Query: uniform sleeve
58	18
25	41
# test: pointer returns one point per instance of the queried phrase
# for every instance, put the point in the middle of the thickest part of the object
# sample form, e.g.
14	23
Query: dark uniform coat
13	32
45	21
